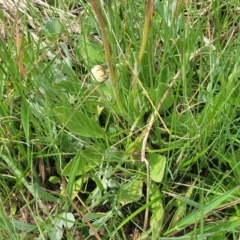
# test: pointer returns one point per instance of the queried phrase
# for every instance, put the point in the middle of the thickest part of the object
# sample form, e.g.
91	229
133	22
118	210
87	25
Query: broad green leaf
54	179
13	209
157	210
42	194
52	28
24	227
63	220
183	124
157	165
130	192
78	123
90	159
91	52
159	92
69	86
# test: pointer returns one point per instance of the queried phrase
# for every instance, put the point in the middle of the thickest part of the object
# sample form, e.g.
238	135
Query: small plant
119	120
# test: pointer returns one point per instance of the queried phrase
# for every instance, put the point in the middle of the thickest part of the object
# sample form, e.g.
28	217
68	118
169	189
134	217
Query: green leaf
98	223
78	123
92	216
159	92
199	213
73	172
157	165
89	160
218	227
182	207
25	118
54	179
34	189
157	211
130	192
42	194
91	52
63	220
70	87
131	216
3	110
52	28
24	227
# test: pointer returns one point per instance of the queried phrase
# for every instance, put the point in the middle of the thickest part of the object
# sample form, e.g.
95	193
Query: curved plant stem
147	25
83	216
150	124
107	47
144	145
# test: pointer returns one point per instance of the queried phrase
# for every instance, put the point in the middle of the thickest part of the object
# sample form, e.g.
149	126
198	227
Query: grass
119	120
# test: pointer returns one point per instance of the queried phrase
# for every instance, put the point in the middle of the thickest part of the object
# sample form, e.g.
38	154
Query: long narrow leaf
196	215
78	123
